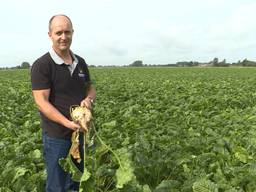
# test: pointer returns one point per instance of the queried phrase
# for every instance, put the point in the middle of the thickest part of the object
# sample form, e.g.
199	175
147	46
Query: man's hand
72	125
87	102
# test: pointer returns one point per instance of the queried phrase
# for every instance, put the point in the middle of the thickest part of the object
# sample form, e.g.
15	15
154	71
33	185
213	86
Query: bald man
59	80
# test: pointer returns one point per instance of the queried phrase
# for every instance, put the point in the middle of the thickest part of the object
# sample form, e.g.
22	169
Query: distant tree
223	63
25	65
248	63
137	63
215	61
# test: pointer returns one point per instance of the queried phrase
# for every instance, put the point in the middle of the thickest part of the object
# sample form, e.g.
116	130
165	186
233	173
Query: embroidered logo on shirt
81	73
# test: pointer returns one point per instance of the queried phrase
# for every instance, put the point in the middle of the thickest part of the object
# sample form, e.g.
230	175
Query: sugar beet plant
163	129
21	165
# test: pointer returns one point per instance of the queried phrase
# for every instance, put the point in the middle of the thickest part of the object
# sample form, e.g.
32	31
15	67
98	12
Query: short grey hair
50	21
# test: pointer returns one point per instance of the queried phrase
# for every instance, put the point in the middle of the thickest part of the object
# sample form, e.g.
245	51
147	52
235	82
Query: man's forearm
41	98
52	113
91	92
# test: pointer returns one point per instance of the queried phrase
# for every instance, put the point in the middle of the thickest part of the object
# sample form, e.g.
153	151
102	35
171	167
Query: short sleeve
40	76
86	70
88	79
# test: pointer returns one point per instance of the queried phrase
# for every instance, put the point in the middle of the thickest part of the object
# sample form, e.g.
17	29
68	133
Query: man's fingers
86	103
74	126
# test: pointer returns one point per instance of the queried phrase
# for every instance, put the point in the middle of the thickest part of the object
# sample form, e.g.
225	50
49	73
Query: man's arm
41	98
91	96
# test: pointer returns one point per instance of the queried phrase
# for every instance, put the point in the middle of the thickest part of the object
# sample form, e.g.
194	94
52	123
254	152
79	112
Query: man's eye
67	32
58	33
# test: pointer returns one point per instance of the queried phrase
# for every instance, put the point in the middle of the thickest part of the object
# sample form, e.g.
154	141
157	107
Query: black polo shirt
66	89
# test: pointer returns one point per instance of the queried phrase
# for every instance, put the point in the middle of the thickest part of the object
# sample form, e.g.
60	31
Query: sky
119	32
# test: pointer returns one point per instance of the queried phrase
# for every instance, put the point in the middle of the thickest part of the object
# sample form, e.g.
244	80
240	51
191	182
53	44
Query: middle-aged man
60	79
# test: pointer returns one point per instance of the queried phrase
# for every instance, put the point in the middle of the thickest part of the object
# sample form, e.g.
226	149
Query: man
60	79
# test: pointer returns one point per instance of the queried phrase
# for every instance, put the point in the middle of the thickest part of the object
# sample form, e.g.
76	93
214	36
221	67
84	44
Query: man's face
61	33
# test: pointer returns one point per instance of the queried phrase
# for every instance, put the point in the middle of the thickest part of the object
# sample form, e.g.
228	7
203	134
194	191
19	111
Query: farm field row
179	129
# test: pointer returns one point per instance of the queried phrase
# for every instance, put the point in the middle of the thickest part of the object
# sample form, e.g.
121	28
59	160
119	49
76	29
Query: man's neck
65	55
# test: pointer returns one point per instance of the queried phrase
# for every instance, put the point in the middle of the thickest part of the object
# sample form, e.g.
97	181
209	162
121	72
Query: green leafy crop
159	130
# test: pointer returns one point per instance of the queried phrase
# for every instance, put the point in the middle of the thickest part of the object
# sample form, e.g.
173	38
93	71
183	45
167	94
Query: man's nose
63	36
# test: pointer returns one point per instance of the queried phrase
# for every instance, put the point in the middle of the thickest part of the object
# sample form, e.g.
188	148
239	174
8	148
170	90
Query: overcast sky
118	32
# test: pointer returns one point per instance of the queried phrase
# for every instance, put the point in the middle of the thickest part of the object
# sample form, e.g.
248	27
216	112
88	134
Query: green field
177	129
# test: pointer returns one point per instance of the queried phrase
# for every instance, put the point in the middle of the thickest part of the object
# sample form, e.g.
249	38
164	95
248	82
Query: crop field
169	129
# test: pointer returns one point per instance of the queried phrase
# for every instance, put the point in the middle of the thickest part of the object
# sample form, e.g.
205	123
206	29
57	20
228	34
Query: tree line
214	63
139	63
23	65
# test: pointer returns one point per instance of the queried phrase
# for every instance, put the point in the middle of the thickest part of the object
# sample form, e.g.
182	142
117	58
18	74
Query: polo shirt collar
58	60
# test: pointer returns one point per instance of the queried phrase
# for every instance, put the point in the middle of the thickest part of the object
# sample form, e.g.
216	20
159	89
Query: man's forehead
60	22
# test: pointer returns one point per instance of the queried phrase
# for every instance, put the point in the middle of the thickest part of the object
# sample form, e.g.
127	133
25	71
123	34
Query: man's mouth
63	43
